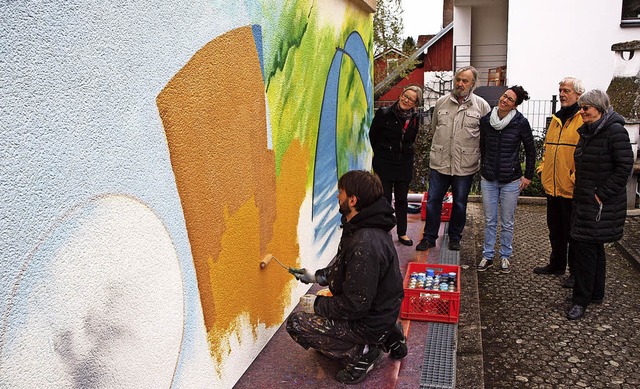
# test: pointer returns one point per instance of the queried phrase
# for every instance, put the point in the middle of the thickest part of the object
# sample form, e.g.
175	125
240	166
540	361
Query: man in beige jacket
454	157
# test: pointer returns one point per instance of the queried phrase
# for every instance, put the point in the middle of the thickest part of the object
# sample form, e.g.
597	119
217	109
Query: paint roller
267	259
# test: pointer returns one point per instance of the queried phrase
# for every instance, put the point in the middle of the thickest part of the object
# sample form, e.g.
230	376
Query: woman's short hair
521	94
418	92
595	98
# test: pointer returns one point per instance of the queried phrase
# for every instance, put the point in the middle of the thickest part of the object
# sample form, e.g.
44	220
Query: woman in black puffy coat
502	132
392	135
604	161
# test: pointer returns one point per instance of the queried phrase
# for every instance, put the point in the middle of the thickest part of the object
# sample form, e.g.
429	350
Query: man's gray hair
473	70
597	99
576	83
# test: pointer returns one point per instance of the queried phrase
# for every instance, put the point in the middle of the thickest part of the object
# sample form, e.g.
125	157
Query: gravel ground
527	342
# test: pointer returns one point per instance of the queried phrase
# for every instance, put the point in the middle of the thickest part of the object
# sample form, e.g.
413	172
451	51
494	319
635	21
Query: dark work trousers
589	270
333	338
438	185
559	221
400	190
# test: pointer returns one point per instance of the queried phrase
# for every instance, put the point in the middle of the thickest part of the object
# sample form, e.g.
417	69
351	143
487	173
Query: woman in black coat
392	135
604	161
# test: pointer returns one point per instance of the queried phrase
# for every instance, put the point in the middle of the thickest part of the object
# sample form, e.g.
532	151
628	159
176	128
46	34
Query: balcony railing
489	60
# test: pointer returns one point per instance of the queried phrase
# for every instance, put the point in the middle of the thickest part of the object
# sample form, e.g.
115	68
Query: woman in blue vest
502	132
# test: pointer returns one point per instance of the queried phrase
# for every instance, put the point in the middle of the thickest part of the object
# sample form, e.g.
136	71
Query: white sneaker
484	264
505	266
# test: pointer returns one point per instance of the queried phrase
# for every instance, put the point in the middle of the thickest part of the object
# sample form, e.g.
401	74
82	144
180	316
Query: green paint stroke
296	69
353	117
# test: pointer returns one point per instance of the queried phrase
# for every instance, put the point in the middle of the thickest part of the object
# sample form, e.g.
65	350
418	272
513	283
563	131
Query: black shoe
454	245
406	242
576	312
569	282
547	270
396	343
592	301
425	244
356	373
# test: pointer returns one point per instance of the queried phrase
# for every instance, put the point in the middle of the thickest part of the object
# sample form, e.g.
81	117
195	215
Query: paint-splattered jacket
364	277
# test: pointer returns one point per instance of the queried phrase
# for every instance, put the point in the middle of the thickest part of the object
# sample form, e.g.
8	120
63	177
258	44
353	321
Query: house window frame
392	64
630	21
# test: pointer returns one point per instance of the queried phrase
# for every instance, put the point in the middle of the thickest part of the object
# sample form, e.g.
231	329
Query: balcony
490	60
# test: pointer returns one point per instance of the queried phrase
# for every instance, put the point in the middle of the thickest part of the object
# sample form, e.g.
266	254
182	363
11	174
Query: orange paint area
236	211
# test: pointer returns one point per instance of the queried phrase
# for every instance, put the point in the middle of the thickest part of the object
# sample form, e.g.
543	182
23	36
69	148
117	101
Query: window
630	13
392	64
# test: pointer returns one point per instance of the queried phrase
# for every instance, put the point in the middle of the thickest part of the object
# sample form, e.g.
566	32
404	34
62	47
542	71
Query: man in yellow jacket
557	174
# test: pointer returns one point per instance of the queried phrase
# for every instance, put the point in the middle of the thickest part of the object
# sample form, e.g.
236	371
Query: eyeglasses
509	98
406	98
585	107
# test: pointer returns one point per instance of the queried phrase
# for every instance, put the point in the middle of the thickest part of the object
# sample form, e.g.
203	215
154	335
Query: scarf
498	123
567	113
596	126
404	115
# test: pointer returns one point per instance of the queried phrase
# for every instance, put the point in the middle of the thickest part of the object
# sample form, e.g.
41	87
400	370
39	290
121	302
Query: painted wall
549	40
152	153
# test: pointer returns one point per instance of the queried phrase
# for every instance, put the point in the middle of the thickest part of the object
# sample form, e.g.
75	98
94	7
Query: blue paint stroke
256	29
325	174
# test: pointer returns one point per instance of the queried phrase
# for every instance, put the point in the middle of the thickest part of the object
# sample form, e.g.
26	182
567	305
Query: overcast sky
421	17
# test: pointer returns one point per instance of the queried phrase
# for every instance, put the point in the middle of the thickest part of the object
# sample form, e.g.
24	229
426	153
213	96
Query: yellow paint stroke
290	193
239	285
235	210
214	115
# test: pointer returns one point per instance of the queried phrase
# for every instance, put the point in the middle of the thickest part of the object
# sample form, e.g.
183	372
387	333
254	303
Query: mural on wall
224	155
147	182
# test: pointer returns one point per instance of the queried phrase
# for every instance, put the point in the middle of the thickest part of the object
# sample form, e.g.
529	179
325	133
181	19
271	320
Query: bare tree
387	25
440	83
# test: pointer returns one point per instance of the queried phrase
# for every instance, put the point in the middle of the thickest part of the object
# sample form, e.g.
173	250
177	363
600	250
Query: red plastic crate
447	204
431	305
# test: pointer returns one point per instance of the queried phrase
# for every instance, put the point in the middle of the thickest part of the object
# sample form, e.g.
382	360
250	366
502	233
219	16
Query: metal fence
538	112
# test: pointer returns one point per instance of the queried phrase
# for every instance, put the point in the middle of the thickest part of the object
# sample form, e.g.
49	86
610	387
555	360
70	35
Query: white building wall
551	39
462	35
489	37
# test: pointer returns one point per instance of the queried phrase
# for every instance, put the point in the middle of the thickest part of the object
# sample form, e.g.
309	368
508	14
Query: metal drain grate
439	363
448	257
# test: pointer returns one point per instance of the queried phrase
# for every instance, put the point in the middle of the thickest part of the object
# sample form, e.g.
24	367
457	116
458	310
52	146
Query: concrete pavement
526	340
